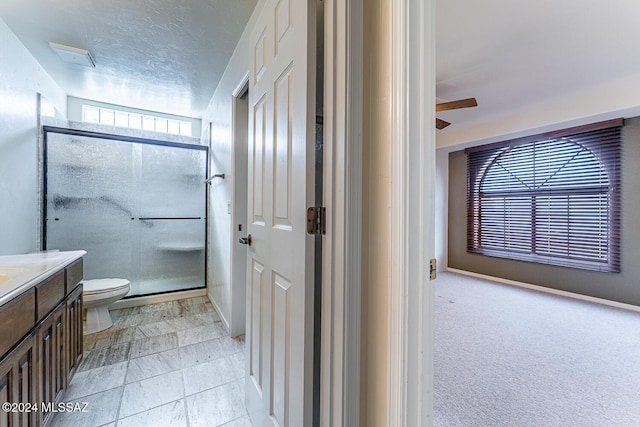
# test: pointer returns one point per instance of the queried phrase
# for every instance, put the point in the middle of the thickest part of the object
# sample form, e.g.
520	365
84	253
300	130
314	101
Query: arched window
552	199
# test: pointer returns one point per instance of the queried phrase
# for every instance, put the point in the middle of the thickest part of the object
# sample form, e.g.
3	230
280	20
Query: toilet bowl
97	294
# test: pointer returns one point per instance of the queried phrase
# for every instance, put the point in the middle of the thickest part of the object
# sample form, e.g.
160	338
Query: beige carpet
507	356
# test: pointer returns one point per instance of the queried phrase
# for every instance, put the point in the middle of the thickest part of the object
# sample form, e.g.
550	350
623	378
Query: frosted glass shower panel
171	255
89	202
172	182
138	207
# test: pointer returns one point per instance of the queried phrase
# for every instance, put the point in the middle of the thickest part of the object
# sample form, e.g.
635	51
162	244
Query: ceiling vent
73	55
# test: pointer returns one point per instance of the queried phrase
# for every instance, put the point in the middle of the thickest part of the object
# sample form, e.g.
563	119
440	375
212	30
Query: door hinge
432	269
316	220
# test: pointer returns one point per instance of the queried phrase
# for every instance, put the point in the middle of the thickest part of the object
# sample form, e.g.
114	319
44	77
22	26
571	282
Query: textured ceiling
161	55
168	55
515	56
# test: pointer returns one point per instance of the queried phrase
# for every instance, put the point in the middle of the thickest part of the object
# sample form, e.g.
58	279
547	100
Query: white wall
221	238
21	79
441	206
609	100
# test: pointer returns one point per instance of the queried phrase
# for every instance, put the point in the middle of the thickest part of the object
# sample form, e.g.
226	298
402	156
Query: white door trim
342	246
239	186
410	373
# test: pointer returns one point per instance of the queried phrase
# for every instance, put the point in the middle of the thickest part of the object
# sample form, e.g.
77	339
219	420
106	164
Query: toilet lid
103	285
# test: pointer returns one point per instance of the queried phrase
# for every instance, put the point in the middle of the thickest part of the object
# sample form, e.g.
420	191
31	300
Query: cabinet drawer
74	274
49	293
17	317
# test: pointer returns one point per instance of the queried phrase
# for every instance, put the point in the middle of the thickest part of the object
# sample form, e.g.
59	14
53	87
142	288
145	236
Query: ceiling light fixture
73	55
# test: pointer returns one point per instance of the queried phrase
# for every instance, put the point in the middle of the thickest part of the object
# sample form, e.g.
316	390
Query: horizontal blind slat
557	197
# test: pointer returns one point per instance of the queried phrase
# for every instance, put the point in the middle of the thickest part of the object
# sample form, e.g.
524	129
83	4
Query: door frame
342	246
410	350
239	161
412	175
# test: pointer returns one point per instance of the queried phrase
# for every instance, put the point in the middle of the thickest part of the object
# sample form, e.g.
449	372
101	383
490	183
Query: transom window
110	117
552	199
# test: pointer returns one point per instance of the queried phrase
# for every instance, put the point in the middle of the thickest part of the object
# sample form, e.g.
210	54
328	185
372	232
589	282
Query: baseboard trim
155	299
539	288
223	319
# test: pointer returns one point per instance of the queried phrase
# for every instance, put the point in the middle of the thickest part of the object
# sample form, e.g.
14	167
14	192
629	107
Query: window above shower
99	113
124	119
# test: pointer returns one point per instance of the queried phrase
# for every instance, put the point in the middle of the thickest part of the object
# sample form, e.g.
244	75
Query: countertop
18	273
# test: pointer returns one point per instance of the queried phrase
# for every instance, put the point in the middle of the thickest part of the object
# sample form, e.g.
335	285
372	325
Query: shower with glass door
136	205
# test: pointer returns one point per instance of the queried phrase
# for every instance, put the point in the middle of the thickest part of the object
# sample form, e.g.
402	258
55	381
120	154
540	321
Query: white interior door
279	335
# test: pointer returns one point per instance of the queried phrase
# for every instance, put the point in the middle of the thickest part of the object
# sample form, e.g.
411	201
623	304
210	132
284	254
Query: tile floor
168	364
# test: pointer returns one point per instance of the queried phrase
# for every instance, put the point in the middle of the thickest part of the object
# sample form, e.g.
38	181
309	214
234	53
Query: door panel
281	187
283	144
260	57
283	20
280	348
255	325
257	166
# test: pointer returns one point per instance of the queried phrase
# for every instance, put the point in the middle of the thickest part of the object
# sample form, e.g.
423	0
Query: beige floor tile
207	375
111	337
129	321
101	408
237	362
164	307
216	406
200	334
171	414
96	380
142	368
89	341
152	345
200	353
105	356
154	364
192	321
151	317
239	422
124	312
189	308
156	328
139	335
232	345
147	394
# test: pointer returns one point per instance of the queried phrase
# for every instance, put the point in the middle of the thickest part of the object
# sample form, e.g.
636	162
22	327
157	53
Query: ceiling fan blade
454	105
441	124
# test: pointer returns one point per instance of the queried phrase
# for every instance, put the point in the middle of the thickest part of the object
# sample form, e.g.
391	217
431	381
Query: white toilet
97	294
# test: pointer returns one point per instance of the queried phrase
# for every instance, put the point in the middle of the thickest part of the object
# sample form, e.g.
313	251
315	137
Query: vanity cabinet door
51	345
17	318
18	385
74	332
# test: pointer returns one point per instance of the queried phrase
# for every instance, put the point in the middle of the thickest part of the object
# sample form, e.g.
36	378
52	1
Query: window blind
552	198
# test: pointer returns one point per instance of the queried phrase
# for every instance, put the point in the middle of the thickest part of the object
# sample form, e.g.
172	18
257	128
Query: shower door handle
245	240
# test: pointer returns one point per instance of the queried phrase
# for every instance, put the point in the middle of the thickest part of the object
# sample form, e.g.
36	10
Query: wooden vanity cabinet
18	384
46	322
50	337
74	346
73	275
49	293
16	319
